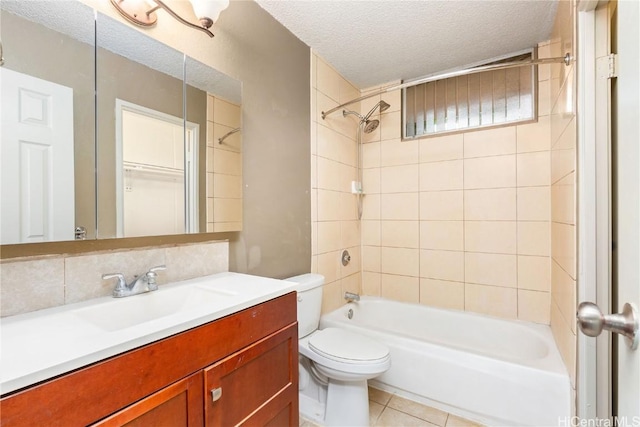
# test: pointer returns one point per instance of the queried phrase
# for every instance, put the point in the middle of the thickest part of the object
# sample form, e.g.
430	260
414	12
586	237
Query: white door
37	160
627	209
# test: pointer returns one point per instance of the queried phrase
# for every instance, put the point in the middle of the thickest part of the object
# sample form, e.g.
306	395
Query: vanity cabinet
241	369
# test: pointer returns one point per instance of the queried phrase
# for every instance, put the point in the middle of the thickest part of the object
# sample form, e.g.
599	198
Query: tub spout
350	296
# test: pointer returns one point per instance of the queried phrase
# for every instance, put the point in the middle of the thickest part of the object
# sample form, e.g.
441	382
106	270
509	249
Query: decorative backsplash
38	283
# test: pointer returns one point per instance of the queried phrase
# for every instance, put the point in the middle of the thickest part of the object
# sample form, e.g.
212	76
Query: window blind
476	100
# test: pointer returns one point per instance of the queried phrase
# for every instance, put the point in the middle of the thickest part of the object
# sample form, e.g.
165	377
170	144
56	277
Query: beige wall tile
334	122
210	186
400	206
371	258
350	233
442	205
223	227
493	204
351	283
567	140
534	306
533	238
371	283
563	292
491	269
371	232
491	300
441	148
328	236
328	174
398	153
490	142
348	174
534	273
227	186
210	103
226	113
370	206
400	234
390	125
563	163
349	206
328	81
370	181
490	172
371	154
443	294
231	143
442	235
400	261
399	179
227	162
534	136
336	146
534	203
347	91
566	341
440	176
400	288
490	236
329	205
444	265
563	200
352	268
563	246
544	98
332	296
329	265
533	169
227	210
31	285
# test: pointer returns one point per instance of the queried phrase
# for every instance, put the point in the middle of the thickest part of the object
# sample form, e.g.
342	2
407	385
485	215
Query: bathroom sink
120	313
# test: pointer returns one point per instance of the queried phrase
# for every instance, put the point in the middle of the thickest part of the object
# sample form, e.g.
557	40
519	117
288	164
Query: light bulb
208	11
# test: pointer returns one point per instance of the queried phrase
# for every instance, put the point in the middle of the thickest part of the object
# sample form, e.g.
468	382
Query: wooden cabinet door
257	386
178	405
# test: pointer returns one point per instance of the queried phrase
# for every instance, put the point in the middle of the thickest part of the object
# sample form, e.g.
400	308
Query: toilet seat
344	346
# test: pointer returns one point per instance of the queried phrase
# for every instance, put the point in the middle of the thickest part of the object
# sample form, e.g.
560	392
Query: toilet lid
336	343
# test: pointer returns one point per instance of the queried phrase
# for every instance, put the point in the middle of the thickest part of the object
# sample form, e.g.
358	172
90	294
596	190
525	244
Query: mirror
48	125
145	91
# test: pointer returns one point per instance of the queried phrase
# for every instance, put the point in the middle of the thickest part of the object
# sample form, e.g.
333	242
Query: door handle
592	322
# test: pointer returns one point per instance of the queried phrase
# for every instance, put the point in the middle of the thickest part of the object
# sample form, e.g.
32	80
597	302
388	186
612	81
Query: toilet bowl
338	363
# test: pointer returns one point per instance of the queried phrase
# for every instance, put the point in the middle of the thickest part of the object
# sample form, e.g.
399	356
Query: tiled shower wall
459	221
562	89
334	218
37	283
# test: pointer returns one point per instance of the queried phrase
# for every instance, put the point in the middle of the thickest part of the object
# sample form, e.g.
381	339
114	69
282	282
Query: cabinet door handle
216	394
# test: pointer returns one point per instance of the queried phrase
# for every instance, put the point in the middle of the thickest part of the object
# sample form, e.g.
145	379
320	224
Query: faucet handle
120	286
151	276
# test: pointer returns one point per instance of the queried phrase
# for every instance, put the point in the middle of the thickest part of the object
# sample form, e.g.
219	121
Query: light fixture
143	12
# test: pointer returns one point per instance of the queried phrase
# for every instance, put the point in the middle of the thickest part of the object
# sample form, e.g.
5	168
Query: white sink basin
120	313
42	344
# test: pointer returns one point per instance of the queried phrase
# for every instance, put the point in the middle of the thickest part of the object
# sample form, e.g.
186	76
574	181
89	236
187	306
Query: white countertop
42	344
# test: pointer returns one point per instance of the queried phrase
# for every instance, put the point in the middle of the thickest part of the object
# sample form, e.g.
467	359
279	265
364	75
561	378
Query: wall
333	166
273	65
39	283
458	221
562	89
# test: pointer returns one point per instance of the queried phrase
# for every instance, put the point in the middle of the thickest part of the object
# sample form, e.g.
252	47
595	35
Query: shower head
371	125
383	107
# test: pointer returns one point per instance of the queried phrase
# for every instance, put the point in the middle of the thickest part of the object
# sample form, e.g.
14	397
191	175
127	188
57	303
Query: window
483	99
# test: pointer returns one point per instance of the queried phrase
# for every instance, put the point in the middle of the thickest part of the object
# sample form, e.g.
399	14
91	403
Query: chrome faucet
143	283
350	296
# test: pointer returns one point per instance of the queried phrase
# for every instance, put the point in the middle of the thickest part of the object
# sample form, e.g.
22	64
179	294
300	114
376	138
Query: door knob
592	321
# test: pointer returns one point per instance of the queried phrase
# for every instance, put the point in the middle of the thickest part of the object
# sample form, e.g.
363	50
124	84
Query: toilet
335	364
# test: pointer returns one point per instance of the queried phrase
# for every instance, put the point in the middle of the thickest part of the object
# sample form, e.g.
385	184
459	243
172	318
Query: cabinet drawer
256	385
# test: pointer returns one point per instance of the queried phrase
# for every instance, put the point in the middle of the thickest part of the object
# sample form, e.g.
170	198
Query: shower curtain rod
566	59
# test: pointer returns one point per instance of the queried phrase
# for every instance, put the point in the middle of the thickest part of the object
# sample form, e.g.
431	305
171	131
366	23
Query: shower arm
566	59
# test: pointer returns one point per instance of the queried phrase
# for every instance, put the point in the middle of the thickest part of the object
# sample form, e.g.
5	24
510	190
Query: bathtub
493	371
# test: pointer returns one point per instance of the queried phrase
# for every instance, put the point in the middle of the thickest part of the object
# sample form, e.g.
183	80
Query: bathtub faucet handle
350	296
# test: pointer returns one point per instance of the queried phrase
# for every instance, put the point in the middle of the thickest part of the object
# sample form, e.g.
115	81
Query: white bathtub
497	372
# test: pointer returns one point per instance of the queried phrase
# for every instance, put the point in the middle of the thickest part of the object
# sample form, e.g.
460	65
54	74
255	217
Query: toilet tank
309	289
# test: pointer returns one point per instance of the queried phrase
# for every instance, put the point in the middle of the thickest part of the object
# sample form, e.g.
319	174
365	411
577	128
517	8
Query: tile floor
388	410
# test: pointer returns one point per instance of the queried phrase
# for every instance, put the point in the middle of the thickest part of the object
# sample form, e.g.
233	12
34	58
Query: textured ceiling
376	42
